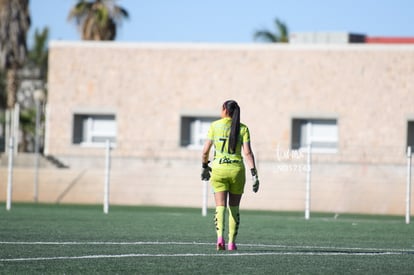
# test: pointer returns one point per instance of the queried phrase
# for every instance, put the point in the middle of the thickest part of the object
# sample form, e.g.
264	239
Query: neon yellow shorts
231	180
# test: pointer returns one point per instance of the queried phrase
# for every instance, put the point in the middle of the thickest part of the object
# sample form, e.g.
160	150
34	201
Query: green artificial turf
80	239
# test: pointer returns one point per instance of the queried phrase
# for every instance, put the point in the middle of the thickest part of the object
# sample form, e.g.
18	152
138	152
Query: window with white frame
322	134
194	130
94	129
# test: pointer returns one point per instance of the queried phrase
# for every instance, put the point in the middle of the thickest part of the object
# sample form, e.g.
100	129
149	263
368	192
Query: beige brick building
355	103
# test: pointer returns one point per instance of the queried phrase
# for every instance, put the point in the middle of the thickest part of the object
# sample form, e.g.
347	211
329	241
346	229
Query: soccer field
70	239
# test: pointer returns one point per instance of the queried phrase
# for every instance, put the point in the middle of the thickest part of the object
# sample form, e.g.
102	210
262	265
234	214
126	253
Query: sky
233	21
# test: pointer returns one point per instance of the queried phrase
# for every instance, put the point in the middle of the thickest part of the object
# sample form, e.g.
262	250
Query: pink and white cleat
221	245
232	246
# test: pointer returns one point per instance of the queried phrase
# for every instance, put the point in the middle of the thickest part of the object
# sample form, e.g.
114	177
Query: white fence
290	180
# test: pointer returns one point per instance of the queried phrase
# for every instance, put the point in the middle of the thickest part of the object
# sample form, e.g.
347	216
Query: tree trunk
11	87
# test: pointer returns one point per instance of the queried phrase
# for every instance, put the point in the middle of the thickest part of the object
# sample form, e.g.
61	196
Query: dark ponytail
233	110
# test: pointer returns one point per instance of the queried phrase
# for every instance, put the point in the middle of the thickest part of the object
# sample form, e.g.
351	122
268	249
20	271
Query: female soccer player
229	137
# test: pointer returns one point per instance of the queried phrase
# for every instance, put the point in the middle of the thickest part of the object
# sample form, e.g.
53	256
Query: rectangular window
93	129
194	130
321	133
410	135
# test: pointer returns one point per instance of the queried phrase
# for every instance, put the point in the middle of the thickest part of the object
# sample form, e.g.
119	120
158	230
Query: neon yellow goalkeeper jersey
219	133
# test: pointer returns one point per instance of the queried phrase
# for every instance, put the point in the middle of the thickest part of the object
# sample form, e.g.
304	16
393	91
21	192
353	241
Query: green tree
281	34
38	55
14	24
98	19
37	63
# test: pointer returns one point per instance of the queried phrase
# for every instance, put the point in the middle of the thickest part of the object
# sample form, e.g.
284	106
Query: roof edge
227	46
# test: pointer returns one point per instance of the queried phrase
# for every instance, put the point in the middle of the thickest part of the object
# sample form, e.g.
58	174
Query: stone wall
366	88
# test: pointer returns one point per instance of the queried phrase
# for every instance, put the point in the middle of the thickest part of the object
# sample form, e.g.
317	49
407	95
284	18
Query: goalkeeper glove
255	180
205	171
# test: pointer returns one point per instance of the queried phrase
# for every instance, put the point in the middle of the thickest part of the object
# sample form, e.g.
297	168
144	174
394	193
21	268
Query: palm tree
14	24
38	55
36	65
3	97
98	19
282	34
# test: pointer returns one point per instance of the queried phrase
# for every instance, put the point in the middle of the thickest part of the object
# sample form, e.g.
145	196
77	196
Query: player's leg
219	217
235	195
234	219
220	187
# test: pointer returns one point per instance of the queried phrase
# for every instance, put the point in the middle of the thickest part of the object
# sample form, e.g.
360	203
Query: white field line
103	243
210	244
330	251
202	255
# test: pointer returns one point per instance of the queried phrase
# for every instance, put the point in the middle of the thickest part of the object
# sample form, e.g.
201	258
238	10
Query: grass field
69	239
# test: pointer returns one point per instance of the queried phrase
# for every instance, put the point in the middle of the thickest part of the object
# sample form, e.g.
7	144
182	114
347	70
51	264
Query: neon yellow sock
234	222
219	220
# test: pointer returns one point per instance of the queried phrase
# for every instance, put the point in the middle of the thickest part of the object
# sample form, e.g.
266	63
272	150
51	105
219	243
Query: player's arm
249	156
206	151
205	169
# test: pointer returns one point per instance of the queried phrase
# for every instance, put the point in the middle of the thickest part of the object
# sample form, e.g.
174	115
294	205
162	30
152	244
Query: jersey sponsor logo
226	160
